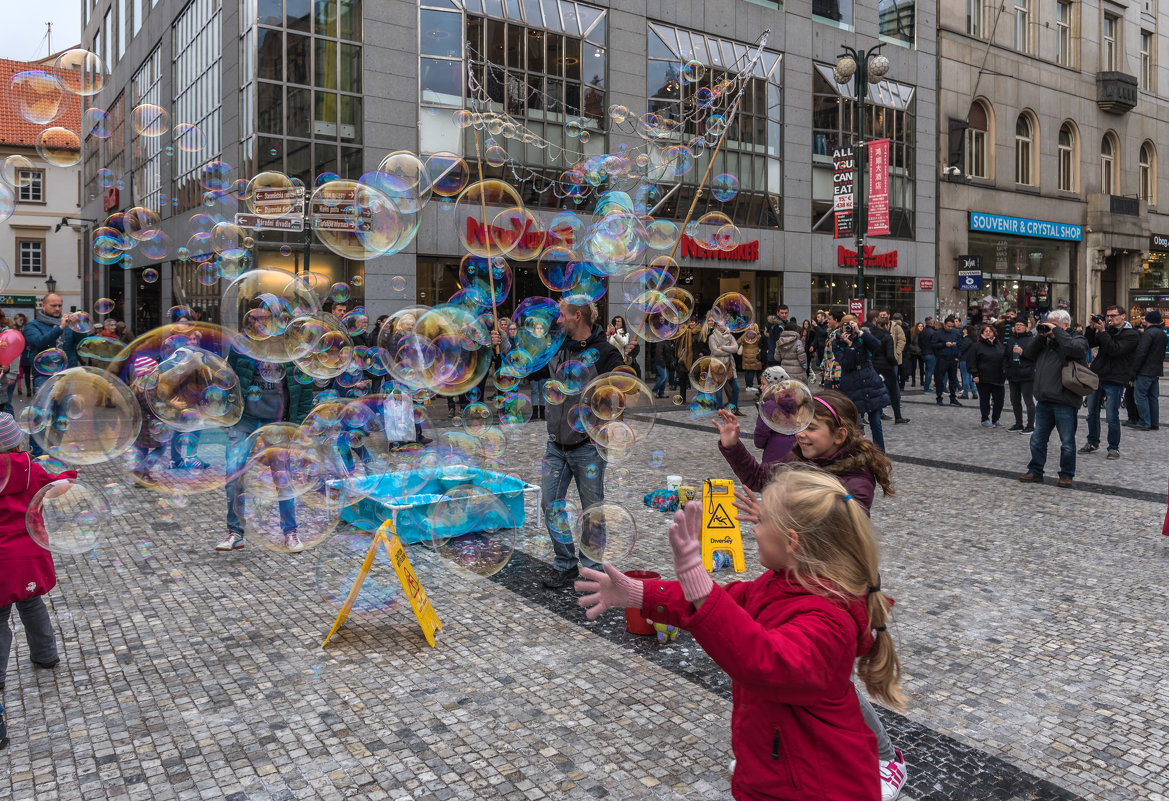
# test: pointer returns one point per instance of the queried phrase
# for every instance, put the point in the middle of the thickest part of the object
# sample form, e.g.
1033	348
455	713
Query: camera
1046	328
1097	318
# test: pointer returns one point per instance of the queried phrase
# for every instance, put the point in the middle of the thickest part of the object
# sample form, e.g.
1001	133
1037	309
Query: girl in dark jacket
859	380
986	361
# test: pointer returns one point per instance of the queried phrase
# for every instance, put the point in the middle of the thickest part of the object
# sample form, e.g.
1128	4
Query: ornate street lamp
50	285
862	67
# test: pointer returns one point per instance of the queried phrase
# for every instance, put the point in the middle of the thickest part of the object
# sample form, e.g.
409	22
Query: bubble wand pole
486	225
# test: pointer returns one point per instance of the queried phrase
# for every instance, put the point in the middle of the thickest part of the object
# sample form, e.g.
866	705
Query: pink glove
611	589
684	532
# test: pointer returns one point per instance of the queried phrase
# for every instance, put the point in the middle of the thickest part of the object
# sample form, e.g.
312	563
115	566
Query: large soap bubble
733	310
313	524
708	374
90	416
538	336
68	517
476	210
339	562
193	389
473	529
361	221
281	464
605	532
617	412
443	350
787	406
260	305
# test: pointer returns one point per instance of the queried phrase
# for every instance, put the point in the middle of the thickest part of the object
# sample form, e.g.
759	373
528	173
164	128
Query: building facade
41	241
320	87
1050	126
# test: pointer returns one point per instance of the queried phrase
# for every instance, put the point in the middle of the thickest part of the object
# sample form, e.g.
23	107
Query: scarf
830	365
41	317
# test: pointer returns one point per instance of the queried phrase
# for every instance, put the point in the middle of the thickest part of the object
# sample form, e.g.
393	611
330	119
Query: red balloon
11	346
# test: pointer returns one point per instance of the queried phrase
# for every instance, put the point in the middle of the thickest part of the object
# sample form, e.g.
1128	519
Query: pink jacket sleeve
794	661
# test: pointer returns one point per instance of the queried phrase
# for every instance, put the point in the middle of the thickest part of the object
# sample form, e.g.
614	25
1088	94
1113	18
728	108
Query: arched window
1025	150
1108	148
1148	172
1068	174
978	141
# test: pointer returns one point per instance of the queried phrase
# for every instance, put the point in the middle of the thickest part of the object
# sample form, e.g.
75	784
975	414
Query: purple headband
828	406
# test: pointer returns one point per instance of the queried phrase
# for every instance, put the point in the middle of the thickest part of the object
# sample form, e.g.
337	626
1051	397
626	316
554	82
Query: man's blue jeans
1110	395
968	385
237	455
563	465
731	386
660	384
1147	394
931	361
1062	418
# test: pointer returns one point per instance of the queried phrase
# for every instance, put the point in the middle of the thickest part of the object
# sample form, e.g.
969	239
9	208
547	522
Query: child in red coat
789	640
26	569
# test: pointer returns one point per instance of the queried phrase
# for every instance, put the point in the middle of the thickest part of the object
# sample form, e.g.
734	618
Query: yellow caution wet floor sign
720	523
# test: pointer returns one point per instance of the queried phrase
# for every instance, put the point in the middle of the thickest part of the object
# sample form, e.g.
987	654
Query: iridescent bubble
703	407
36	96
558	268
618	114
605	532
187	137
194	389
476	235
398	283
692	71
473	530
96	122
104	433
733	310
80	72
149	120
80	322
49	361
215	176
150	275
105	178
339	292
787	407
60	147
285	250
68	517
724	187
103	306
708	374
448	174
514	411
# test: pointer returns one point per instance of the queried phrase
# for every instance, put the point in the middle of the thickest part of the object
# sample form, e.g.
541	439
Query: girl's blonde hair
836	556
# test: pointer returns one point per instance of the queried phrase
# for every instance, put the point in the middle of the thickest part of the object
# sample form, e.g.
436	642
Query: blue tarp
430	510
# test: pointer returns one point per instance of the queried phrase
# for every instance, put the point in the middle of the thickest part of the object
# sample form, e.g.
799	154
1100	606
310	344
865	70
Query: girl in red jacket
789	640
26	569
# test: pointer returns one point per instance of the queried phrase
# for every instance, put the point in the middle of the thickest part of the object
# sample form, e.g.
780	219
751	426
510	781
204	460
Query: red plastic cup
635	622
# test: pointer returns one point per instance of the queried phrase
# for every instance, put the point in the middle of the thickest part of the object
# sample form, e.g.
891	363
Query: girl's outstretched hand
684	534
611	589
728	428
748	506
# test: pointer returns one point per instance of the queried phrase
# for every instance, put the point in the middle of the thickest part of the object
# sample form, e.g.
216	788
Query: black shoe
954	402
900	422
1154	428
1015	427
1130	423
1089	448
3	727
885	417
1028	429
47	665
939	401
1140	427
561	578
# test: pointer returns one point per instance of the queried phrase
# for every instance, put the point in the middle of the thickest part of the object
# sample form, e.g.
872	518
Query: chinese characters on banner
843	174
878	206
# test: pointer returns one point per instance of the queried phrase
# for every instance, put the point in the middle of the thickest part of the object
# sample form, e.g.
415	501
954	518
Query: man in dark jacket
1148	366
947	347
1116	343
925	342
819	338
885	361
1056	407
1021	376
570	453
663	358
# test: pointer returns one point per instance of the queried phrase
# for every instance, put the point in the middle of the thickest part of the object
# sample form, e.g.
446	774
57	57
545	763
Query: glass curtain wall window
837	11
751	148
106	153
1068	178
197	45
897	20
1148	173
547	66
977	141
890	113
1146	77
1025	151
1109	43
308	100
147	151
974	18
1063	30
1023	26
1108	165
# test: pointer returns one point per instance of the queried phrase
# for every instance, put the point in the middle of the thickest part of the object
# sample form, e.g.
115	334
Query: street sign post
258	223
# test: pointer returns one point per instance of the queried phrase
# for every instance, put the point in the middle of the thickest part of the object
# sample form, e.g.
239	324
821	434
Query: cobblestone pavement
1030	621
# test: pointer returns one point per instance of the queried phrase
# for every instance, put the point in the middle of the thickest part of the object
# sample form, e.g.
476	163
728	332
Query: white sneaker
732	766
893	776
292	542
233	542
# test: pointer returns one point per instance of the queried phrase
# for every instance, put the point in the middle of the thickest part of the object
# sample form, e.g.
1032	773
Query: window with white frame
1148	173
1025	150
30	257
977	141
1023	26
1109	43
1146	76
1063	31
31	185
974	18
1108	148
1067	158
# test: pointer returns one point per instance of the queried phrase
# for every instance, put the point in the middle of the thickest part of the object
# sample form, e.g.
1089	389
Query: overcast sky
22	36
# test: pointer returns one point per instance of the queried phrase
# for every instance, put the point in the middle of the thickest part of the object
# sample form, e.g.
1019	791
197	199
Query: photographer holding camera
1053	348
947	346
1116	342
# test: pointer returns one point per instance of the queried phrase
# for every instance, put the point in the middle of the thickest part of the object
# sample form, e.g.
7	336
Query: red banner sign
843	178
856	306
878	206
847	258
748	251
109	198
926	284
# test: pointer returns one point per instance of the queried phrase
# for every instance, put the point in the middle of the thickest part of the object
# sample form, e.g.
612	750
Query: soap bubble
448	174
476	235
692	71
314	523
11	168
707	230
787	407
96	122
620	414
194	389
605	532
724	187
80	72
514	410
339	561
49	361
149	120
562	516
398	283
708	374
473	530
187	137
702	407
36	96
734	311
68	517
80	322
60	147
363	220
111	420
150	275
215	176
271	194
103	306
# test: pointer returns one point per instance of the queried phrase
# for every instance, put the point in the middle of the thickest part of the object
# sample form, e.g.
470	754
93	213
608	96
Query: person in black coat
947	347
986	361
859	380
885	361
1021	376
1148	365
1116	343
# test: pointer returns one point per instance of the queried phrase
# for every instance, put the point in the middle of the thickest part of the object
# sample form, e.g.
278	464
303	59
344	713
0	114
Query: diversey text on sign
1022	226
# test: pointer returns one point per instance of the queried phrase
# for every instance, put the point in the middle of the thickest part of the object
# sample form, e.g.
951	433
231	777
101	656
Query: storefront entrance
894	293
